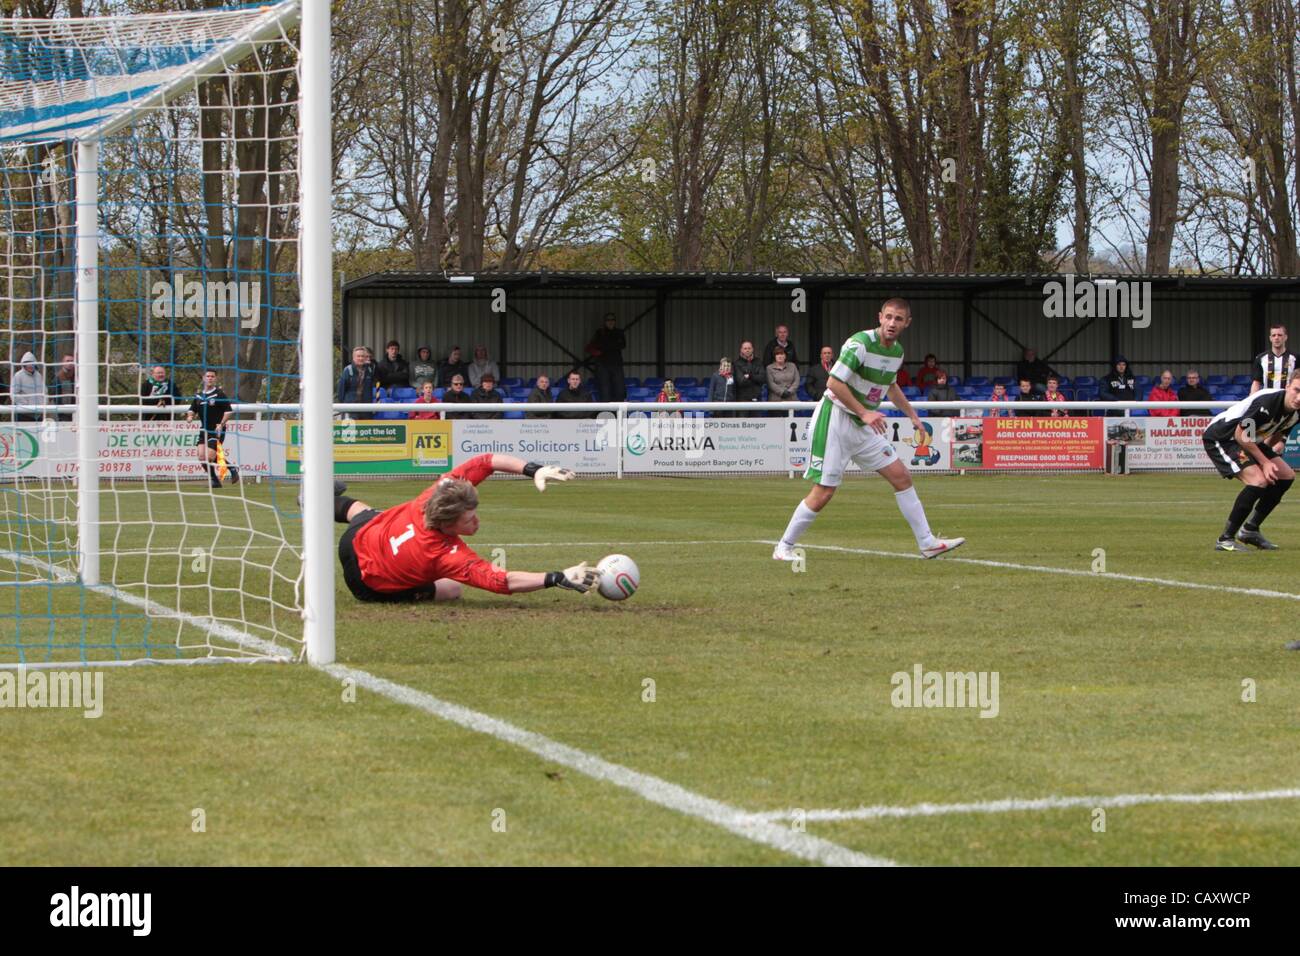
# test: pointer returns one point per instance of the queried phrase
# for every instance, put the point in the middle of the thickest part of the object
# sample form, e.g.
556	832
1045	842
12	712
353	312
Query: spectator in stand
158	390
750	376
1025	393
782	381
904	379
64	389
455	393
999	395
451	368
573	393
667	394
540	395
941	391
422	369
722	386
1033	368
781	341
485	394
1118	385
1053	394
357	383
820	374
28	389
482	366
929	372
606	347
1163	391
1193	391
393	371
426	398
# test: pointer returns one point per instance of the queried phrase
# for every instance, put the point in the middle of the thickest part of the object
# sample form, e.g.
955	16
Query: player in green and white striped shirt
847	427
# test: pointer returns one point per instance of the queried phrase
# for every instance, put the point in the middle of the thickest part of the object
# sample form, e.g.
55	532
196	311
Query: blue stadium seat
438	393
514	415
1242	380
977	381
1003	380
1087	380
1142	380
1085	393
686	382
954	381
631	381
512	382
653	381
404	394
1064	381
1216	380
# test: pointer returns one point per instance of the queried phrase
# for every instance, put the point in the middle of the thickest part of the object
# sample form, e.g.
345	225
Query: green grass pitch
772	691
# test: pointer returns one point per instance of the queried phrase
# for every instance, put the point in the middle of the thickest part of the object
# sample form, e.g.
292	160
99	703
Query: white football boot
942	546
783	552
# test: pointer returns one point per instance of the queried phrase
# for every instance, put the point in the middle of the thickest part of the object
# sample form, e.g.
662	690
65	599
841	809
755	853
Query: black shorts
352	571
211	439
1229	457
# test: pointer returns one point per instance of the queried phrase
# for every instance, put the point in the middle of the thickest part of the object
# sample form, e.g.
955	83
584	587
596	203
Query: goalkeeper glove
541	474
578	578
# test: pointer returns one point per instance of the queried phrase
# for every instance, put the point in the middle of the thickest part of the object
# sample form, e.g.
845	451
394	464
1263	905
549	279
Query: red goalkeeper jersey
395	551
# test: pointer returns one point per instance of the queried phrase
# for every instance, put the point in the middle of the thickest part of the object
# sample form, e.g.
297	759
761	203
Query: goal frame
316	321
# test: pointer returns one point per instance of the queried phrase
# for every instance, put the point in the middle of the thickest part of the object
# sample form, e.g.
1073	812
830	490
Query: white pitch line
208	625
1046	569
1016	805
650	788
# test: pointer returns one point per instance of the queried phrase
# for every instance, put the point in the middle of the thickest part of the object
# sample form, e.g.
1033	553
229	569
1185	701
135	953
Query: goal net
150	214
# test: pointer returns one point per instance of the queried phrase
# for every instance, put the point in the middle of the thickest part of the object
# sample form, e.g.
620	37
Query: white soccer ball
619	577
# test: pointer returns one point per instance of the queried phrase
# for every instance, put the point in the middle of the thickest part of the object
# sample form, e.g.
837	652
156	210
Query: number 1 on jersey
401	539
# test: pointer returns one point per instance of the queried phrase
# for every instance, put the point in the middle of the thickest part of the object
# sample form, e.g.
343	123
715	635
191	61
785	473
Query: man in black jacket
1193	391
159	389
606	347
487	393
541	395
1034	369
574	393
781	341
749	374
454	366
393	371
1118	385
456	394
819	374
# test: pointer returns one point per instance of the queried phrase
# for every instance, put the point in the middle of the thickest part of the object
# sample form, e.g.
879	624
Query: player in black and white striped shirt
1239	440
1273	368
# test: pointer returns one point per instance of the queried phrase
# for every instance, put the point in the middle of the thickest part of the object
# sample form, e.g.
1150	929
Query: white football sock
799	521
910	505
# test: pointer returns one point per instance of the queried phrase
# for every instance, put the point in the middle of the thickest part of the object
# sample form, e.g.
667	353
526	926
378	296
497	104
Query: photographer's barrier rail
633	438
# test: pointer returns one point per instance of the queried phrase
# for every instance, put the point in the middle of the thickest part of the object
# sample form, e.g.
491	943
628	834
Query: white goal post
147	152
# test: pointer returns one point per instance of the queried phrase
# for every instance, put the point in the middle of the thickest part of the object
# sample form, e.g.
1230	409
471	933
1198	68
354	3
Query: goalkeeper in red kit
414	551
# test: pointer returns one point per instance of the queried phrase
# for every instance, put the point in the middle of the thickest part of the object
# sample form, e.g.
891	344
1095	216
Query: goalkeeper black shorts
352	571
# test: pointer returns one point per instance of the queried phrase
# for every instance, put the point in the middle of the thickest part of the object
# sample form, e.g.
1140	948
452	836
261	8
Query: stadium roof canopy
406	283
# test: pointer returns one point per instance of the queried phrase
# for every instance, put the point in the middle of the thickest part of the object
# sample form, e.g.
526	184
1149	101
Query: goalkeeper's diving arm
541	474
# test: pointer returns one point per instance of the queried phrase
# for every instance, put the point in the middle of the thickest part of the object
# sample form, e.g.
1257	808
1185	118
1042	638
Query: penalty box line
1018	805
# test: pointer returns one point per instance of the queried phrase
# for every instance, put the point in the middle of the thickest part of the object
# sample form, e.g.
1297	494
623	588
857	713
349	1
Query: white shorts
837	439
